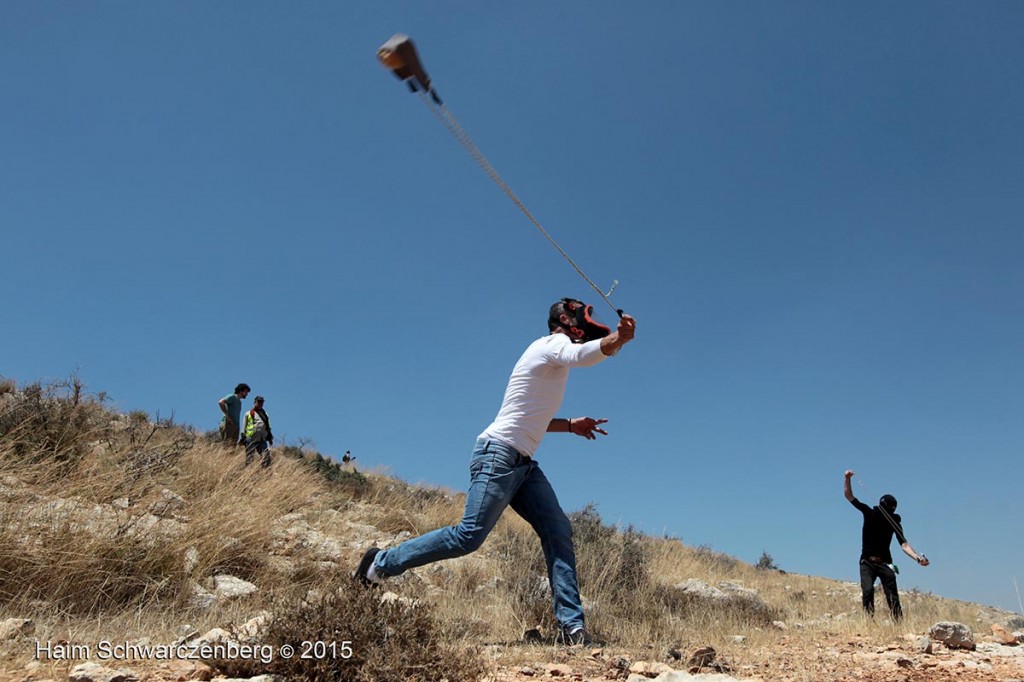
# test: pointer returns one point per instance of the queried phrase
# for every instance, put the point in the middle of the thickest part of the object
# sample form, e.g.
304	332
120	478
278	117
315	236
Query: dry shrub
70	549
390	641
399	506
55	423
52	558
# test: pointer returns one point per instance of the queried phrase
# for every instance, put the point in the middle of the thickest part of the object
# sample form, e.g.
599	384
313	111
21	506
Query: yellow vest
254	422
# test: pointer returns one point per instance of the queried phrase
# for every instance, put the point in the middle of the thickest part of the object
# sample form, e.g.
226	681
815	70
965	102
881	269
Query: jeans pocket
493	459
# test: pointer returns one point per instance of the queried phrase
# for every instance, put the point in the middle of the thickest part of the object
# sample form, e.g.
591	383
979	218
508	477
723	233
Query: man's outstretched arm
914	554
581	426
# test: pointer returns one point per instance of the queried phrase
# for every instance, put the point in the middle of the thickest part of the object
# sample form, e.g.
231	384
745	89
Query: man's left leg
892	595
536	502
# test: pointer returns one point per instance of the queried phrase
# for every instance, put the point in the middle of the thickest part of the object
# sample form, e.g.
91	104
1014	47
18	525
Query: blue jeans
501	477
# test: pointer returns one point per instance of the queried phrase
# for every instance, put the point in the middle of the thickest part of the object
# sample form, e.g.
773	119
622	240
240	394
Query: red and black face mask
582	325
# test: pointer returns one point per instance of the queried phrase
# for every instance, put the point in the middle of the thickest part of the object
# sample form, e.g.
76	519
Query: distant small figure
880	524
258	436
348	457
231	406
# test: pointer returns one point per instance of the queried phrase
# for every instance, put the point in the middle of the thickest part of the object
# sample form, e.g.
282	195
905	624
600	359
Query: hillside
121	530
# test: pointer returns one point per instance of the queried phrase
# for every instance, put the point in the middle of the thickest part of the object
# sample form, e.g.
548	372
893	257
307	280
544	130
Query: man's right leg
867	586
496	472
537	504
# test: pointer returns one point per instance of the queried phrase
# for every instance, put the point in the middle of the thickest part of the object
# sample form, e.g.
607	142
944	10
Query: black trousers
869	572
252	447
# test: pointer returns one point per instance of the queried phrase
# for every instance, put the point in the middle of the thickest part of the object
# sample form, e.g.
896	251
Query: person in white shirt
504	473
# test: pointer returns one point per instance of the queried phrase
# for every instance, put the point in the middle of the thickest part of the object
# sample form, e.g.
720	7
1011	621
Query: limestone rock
558	670
255	629
1002	635
650	668
94	672
923	645
201	598
737	589
229	587
699	588
953	635
12	628
167	503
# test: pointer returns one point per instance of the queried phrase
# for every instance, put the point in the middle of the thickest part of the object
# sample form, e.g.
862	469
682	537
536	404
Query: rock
680	676
12	628
167	503
738	589
229	587
923	645
191	561
620	665
533	636
702	657
650	668
527	671
94	672
953	635
392	598
254	629
558	670
699	588
214	636
1002	635
904	662
779	625
189	670
738	639
201	598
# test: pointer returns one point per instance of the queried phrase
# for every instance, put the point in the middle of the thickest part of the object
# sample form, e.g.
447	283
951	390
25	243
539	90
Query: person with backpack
258	436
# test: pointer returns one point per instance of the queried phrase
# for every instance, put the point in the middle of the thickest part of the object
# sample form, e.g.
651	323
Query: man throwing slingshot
880	524
504	473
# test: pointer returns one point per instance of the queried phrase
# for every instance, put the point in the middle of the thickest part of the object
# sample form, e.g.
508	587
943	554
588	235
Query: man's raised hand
587	427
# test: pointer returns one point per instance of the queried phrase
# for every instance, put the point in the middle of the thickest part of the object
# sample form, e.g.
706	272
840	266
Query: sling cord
449	121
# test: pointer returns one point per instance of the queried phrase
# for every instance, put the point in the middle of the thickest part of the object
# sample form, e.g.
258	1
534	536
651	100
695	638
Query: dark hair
888	502
242	387
553	314
258	399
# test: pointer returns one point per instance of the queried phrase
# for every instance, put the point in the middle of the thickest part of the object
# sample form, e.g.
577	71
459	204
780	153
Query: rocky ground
831	658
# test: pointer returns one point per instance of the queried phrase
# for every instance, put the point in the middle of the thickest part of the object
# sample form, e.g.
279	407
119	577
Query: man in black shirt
880	524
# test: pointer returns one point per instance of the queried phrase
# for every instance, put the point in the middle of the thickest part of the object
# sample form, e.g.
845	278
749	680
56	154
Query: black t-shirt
878	531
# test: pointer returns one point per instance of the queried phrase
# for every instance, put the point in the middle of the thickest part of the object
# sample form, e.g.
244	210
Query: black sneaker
578	636
364	567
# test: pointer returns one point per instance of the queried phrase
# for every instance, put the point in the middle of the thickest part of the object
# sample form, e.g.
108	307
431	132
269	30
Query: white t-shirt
536	389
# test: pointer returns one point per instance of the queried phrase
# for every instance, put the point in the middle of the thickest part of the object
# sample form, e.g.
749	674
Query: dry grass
108	523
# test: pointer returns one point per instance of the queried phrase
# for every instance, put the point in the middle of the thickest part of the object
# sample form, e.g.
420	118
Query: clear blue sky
813	208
